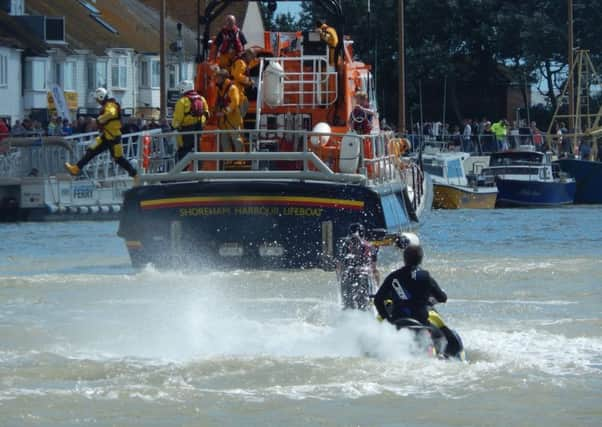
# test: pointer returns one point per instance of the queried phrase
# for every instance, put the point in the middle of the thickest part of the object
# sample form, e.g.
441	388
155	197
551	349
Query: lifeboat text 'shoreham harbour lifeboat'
302	178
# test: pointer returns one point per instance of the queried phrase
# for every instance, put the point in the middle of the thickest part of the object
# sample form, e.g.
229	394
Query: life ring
406	146
146	151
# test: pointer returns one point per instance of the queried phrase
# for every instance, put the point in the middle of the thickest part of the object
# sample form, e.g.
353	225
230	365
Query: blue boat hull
588	176
515	193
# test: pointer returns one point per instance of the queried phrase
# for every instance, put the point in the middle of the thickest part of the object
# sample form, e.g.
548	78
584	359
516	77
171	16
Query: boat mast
401	52
572	124
162	61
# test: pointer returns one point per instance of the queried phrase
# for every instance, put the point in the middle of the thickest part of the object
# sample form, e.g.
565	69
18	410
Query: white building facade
132	79
11	105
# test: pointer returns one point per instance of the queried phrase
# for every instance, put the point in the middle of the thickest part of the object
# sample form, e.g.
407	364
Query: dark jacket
410	289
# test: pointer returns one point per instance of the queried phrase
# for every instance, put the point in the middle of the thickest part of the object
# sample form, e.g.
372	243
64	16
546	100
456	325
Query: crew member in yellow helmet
228	112
329	36
109	126
240	76
190	114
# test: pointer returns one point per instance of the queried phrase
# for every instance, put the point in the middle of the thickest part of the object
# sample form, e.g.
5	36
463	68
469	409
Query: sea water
87	340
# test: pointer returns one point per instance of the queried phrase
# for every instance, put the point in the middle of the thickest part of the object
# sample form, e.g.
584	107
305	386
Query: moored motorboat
451	187
527	179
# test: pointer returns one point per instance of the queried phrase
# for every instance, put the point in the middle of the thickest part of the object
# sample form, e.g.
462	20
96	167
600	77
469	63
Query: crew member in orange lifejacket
109	124
228	112
360	119
240	76
190	114
230	42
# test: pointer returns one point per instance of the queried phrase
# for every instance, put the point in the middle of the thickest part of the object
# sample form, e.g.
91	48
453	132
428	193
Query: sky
288	6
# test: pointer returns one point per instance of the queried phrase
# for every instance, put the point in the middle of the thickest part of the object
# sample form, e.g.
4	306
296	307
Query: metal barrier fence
483	144
46	156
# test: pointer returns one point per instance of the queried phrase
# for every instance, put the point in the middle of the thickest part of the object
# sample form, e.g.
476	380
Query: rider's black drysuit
410	289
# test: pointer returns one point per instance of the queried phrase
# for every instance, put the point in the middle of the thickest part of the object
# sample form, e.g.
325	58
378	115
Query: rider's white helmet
186	86
100	94
407	239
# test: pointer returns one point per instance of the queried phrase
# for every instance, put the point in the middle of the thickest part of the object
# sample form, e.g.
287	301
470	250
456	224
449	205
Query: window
58	74
69	76
144	74
454	169
3	70
119	72
155	74
172	76
55	29
35	75
97	74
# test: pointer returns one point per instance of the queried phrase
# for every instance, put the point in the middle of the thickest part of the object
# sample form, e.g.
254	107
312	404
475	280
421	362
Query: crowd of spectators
58	126
484	136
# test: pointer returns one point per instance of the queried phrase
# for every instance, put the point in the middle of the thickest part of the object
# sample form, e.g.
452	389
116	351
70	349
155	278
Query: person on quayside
109	127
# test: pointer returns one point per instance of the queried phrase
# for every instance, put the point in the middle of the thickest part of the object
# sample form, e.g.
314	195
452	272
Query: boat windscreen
515	158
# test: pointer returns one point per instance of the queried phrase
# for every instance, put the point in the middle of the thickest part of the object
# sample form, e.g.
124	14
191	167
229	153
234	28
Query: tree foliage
481	41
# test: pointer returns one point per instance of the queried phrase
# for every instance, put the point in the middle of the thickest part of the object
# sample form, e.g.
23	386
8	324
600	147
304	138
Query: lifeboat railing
259	101
317	87
262	160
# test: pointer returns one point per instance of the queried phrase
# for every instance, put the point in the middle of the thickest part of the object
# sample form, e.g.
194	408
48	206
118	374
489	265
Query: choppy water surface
85	339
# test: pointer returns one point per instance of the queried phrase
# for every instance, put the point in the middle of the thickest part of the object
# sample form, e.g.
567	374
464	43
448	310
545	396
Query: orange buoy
146	151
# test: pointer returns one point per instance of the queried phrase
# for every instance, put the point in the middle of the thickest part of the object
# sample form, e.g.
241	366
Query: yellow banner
70	97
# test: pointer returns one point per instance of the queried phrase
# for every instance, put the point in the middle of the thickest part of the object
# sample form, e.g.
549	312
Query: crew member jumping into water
109	122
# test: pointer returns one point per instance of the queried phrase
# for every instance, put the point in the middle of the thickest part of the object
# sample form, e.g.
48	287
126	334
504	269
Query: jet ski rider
407	292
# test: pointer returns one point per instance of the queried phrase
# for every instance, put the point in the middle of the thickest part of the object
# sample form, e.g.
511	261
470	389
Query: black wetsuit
410	289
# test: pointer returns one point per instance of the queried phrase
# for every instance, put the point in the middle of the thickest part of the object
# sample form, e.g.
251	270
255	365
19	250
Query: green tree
476	41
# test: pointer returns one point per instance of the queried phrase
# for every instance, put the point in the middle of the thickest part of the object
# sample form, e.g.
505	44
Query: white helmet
100	94
186	86
407	239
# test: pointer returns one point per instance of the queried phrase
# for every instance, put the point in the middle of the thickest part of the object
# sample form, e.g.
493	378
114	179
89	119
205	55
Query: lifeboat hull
254	224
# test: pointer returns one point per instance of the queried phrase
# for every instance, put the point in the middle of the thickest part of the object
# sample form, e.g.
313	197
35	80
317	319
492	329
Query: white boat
451	186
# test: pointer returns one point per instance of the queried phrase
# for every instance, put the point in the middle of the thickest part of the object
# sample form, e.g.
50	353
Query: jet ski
440	340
